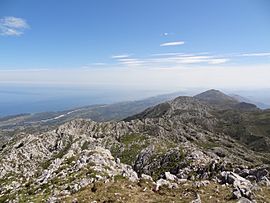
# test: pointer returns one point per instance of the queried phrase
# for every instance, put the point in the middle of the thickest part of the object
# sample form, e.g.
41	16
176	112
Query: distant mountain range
44	121
243	99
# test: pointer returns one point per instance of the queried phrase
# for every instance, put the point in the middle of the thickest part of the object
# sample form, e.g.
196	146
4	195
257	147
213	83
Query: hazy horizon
17	99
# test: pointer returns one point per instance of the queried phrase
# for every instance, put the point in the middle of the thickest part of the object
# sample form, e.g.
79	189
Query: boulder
251	178
162	182
234	179
170	176
244	173
146	177
236	194
167	183
259	173
242	186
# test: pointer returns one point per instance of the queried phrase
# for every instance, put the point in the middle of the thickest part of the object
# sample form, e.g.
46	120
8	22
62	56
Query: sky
153	44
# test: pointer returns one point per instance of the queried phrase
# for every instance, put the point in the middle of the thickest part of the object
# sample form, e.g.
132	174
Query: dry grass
126	191
263	195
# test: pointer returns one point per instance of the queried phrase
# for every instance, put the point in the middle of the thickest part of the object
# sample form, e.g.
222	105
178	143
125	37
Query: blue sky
142	41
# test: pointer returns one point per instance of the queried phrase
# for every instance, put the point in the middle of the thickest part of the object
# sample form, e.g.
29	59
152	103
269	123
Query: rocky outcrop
241	186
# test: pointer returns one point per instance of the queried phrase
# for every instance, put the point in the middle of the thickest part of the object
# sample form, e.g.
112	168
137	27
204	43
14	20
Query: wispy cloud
12	26
169	60
176	43
256	54
120	56
127	60
218	61
130	61
167	54
198	59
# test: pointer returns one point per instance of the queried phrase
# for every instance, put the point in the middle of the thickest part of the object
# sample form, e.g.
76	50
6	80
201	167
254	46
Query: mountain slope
42	122
216	98
175	142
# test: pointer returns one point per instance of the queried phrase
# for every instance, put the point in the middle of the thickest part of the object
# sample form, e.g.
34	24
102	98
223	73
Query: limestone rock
170	176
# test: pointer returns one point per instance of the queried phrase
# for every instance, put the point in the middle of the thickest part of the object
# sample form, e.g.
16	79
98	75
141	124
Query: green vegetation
249	128
128	156
69	160
207	144
131	138
172	161
59	155
119	178
85	145
129	147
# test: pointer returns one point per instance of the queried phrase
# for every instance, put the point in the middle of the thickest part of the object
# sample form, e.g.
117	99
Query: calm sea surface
30	99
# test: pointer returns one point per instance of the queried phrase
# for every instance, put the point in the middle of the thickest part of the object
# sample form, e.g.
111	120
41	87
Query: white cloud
218	61
120	56
167	54
130	61
171	59
193	59
199	59
12	26
126	60
14	22
256	54
177	43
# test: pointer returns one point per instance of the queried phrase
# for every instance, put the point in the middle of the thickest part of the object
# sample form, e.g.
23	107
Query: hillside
182	150
42	122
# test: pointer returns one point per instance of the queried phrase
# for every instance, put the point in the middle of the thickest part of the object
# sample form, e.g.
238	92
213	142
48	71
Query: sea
18	99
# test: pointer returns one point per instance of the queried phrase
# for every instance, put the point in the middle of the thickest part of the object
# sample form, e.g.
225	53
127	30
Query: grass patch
129	147
207	145
131	138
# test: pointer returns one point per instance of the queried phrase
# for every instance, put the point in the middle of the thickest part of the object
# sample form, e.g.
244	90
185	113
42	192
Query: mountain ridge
180	141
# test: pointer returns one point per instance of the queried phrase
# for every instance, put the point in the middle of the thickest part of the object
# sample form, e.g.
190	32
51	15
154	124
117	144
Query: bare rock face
47	159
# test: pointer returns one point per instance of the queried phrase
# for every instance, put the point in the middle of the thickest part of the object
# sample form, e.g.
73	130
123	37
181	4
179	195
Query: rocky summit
206	148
